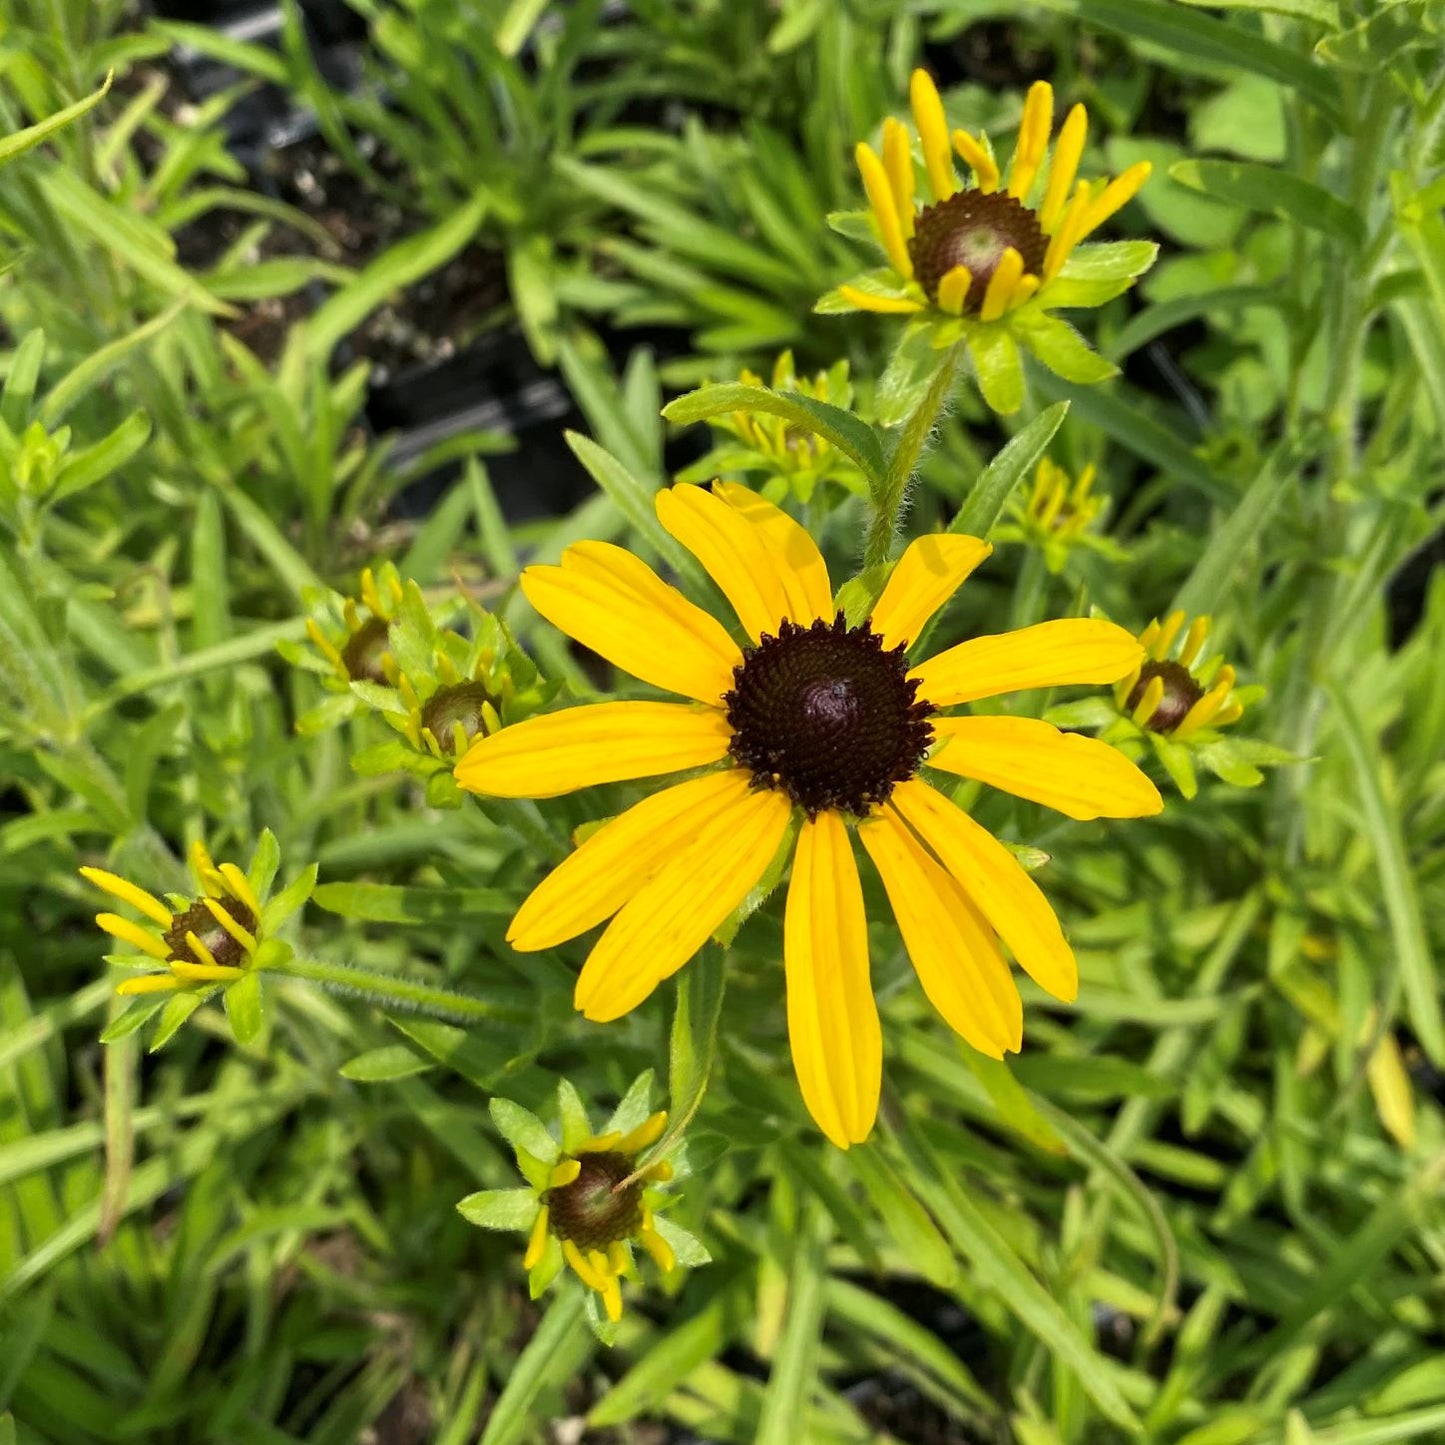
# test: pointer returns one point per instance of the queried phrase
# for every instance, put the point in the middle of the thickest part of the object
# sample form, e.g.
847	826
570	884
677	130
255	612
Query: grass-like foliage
751	694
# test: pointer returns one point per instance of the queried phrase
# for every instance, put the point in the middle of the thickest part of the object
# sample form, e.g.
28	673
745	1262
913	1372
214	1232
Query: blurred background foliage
279	308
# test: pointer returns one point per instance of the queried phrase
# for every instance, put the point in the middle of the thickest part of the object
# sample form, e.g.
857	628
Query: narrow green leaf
795	1364
23	140
391	903
1397	882
853	437
551	1361
1017	460
500	1208
1275	193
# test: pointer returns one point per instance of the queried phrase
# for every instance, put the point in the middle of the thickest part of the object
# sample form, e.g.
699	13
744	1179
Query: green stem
914	437
398	995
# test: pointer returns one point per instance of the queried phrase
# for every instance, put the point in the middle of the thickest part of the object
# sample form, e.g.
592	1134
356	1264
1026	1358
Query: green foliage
1202	1206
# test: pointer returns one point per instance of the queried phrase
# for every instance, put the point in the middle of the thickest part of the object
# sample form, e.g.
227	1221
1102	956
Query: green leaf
687	1249
552	1360
1275	193
995	359
244	1008
278	909
382	1065
178	1008
523	1130
1378	42
138	1013
1206	586
990	492
1109	261
996	1267
20	383
913	1231
1200	39
1321	12
95	463
23	140
390	903
1397	882
1062	349
854	438
794	1375
516	25
500	1208
404	263
258	60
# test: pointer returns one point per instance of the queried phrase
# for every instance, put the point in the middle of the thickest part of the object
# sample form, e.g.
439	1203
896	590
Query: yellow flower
1170	695
986	249
209	939
817	725
359	651
1059	516
589	1201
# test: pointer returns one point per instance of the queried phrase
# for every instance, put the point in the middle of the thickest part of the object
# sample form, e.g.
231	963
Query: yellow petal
1390	1084
148	983
603	742
1049	654
1001	285
222	915
128	892
645	1134
954	951
1033	141
1066	234
767	566
932	134
660	1250
885	213
1116	195
133	934
928	573
679	907
618	606
585	1270
996	882
537	1242
953	289
977	158
612	1298
1081	777
832	1017
590	886
898	162
1025	289
240	888
887	305
203	972
564	1172
1068	151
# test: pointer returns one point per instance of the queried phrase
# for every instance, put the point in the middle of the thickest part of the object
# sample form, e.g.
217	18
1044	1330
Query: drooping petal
832	1016
884	305
954	951
767	566
879	189
129	892
1049	654
604	742
588	887
928	573
996	882
898	162
672	915
618	606
1081	777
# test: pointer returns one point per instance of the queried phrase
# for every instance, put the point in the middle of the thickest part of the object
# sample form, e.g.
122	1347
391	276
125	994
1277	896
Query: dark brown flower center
364	650
461	702
824	714
974	228
199	919
592	1211
1181	692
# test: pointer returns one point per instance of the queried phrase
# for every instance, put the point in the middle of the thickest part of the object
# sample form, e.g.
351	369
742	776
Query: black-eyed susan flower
1060	514
984	262
449	688
1175	703
810	728
207	940
790	459
352	641
591	1197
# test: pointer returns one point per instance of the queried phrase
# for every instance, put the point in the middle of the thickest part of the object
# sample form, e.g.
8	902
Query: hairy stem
399	995
911	441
